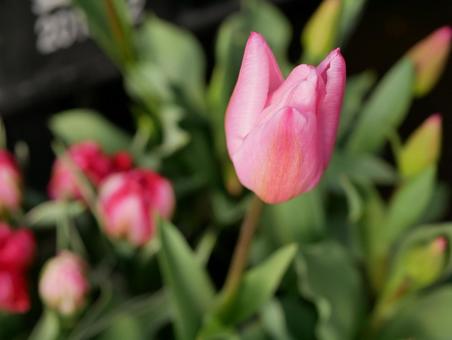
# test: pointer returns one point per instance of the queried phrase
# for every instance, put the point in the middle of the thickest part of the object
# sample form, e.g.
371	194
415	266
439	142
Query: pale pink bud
129	203
281	133
91	161
10	183
63	286
429	57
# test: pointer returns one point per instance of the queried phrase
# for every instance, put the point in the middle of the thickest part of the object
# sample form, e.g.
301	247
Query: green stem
242	248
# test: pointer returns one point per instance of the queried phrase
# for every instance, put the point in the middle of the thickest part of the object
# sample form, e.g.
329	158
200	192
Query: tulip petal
259	76
300	90
332	70
279	159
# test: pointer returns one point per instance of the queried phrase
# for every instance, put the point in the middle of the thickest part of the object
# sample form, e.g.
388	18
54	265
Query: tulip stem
242	247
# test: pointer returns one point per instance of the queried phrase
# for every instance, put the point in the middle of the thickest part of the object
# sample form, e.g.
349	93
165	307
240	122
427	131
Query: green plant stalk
242	248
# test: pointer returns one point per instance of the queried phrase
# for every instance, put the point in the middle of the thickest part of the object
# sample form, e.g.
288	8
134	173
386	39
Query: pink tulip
10	183
92	162
63	285
17	248
281	133
130	201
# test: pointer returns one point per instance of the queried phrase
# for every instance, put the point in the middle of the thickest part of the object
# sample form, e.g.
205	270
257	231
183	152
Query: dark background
33	87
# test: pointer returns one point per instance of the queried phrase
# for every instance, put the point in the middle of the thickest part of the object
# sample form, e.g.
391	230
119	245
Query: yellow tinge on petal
429	57
319	35
422	148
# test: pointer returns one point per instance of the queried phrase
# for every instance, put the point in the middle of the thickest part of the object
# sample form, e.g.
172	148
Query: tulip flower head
281	133
17	248
63	285
10	183
91	161
130	201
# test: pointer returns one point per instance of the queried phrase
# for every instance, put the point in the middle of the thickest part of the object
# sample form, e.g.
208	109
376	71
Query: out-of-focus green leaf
299	220
49	213
427	317
177	54
76	126
257	287
110	24
47	328
191	292
355	203
439	204
124	327
357	88
144	314
259	16
320	33
274	322
253	331
174	137
408	204
328	278
227	211
363	169
384	110
351	12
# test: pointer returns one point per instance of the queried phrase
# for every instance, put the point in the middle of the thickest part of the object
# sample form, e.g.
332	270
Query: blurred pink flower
63	285
17	248
10	183
281	133
94	164
130	201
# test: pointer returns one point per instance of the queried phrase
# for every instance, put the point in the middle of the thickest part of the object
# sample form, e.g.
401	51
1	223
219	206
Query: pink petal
301	91
280	158
332	69
259	76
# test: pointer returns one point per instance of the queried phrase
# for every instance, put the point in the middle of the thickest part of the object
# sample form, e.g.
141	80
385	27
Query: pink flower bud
129	202
63	285
429	57
10	183
17	248
91	161
281	133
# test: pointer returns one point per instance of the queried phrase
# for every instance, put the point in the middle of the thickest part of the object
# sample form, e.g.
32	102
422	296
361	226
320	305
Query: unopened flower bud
63	286
10	183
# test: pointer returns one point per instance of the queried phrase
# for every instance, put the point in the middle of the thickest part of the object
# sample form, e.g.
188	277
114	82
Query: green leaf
362	169
181	61
299	220
408	204
47	328
351	13
75	126
110	25
384	110
355	203
328	278
320	32
427	317
174	137
258	286
274	321
124	327
191	292
357	88
144	314
50	213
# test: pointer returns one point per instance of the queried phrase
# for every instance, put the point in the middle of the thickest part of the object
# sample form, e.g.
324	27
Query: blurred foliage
329	255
